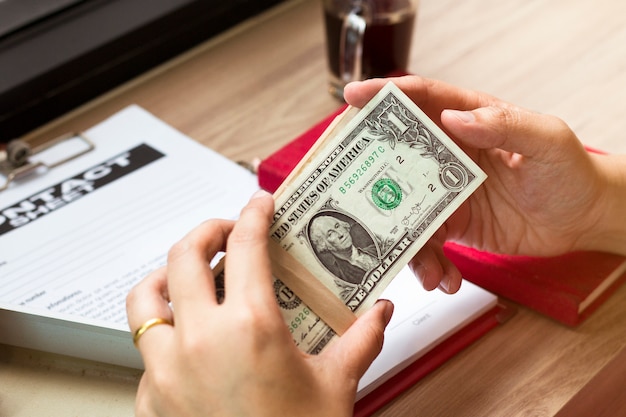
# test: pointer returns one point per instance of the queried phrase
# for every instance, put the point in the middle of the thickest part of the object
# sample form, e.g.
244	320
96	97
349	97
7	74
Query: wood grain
603	396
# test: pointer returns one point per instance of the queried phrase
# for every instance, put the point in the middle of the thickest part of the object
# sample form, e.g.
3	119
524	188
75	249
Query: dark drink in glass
383	48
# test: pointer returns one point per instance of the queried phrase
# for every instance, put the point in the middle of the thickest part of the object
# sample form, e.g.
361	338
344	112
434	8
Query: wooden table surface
251	90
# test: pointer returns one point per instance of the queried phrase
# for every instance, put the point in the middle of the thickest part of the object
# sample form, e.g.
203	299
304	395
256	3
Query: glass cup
367	38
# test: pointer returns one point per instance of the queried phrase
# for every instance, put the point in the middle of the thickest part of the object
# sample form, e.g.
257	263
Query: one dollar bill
371	192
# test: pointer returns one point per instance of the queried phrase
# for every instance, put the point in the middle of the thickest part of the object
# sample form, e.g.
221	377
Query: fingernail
259	194
464	116
428	280
419	270
388	310
444	284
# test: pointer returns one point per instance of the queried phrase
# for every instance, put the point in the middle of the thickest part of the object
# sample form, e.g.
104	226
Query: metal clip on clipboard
20	159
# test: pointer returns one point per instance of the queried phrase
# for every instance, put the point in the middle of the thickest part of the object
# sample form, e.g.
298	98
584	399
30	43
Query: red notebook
567	288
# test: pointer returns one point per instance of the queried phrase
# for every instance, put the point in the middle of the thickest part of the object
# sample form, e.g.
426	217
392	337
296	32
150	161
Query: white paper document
421	320
74	239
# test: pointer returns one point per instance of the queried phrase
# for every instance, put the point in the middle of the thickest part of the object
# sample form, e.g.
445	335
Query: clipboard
86	216
20	159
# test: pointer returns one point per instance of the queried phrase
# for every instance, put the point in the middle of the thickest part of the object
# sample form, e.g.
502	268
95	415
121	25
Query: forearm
609	233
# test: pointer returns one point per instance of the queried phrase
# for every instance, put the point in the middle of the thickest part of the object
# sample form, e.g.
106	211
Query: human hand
542	194
237	358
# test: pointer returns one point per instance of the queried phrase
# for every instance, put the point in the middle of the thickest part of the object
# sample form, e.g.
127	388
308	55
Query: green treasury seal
386	194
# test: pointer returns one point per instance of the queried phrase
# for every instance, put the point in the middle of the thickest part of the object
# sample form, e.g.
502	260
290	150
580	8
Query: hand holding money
370	193
543	196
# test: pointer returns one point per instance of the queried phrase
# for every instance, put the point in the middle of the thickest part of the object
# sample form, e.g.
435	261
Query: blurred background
58	54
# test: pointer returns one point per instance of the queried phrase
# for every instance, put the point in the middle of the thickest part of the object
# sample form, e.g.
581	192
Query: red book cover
567	288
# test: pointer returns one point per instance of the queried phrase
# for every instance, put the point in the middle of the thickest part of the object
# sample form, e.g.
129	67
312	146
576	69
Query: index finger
432	96
247	264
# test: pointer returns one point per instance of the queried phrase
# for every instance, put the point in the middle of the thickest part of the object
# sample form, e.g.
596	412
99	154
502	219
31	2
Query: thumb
357	348
508	128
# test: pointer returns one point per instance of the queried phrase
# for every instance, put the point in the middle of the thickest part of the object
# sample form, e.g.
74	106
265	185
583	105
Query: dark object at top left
58	54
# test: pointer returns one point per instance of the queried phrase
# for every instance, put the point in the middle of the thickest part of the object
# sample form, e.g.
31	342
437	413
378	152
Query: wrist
609	231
